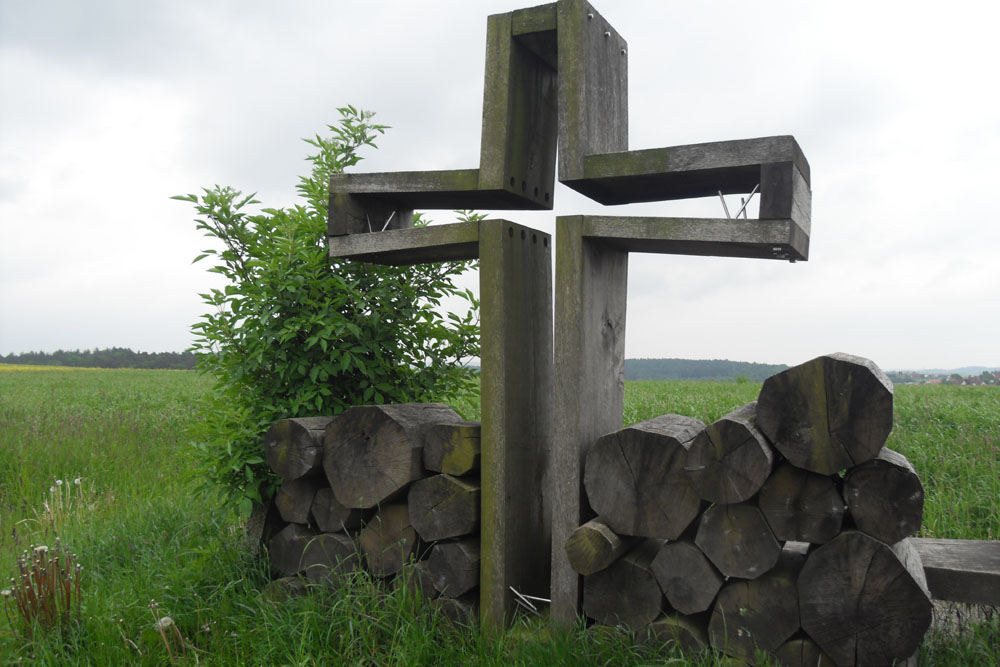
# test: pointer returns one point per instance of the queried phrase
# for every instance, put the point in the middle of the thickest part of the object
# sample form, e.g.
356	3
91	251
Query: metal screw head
624	52
590	16
607	34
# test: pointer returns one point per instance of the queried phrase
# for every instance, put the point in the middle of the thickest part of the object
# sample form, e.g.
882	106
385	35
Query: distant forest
698	369
113	357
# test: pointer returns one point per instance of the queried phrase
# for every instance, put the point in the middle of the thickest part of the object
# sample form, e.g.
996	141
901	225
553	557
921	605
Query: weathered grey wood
864	602
716	237
286	547
535	28
802	652
731	459
328	557
436	243
294	447
594	546
785	194
442	506
885	497
695	170
389	541
593	88
454	449
454	566
738	541
961	570
802	506
590	377
330	516
636	480
515	276
686	576
760	614
827	414
518	147
284	589
361	214
626	592
264	522
373	452
294	498
688	632
416	580
462	611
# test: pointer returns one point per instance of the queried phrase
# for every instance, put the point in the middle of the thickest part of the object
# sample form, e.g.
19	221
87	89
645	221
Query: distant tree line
699	369
113	357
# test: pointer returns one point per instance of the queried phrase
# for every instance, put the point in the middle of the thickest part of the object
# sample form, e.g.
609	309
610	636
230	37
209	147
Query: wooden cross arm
417	245
961	570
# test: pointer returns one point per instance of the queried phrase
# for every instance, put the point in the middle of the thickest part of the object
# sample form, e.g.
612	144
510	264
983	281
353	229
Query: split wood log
295	498
864	602
828	414
388	540
738	541
594	546
885	497
462	611
687	631
443	506
802	652
454	566
265	521
802	506
330	516
635	478
453	448
416	579
371	453
731	459
626	592
329	556
294	447
686	576
762	613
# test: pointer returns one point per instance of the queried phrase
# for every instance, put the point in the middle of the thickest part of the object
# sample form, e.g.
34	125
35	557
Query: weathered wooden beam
961	570
717	237
402	247
515	275
535	28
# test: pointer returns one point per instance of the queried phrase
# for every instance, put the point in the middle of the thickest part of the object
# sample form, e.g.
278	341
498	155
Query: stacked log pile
781	527
379	487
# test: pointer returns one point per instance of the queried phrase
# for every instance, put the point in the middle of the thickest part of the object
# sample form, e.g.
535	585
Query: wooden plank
518	146
593	87
591	280
535	28
785	194
717	237
961	570
681	172
436	243
515	277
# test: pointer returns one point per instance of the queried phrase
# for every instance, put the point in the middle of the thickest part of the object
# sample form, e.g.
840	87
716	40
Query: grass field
151	549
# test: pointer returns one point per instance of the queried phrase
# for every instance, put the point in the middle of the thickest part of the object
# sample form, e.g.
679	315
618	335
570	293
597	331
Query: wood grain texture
591	283
435	243
515	276
885	497
731	459
594	546
802	652
802	506
328	557
454	566
536	28
688	632
294	498
330	516
785	194
286	547
454	449
389	541
961	570
415	579
625	593
442	506
738	541
686	576
294	447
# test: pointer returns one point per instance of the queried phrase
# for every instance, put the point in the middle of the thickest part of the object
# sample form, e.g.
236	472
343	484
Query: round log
885	497
688	632
626	592
738	541
454	566
371	453
731	459
330	516
635	478
462	611
294	498
594	546
828	414
294	447
287	546
864	602
686	576
264	522
802	506
284	589
760	614
443	506
453	448
388	540
802	652
328	557
416	580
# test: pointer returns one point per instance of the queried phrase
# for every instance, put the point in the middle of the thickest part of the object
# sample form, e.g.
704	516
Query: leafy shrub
295	334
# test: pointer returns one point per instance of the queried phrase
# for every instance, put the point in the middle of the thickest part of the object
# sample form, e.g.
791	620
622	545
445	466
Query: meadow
100	459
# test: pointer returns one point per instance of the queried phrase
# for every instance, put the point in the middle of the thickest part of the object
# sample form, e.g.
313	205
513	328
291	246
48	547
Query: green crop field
99	459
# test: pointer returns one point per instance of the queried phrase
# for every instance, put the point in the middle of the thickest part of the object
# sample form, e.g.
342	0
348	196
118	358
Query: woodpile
782	527
379	487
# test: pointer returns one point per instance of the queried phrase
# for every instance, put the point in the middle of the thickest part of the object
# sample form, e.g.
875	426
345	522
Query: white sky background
108	108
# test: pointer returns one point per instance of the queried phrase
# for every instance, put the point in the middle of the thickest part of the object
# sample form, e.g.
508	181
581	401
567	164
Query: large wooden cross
557	75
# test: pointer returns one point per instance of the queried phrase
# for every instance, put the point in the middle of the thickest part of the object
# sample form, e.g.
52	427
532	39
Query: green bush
295	334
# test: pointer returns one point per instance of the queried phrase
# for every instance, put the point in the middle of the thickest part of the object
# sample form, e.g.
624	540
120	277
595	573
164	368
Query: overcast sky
107	108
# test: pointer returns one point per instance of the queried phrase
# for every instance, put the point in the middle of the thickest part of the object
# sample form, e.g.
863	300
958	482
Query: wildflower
58	482
52	489
41	548
164	623
76	482
5	593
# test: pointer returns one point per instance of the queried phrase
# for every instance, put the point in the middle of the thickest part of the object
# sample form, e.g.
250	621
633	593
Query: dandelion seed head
76	482
58	482
41	548
52	489
164	623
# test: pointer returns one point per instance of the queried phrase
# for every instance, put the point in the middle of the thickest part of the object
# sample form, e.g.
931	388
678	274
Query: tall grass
152	551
